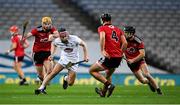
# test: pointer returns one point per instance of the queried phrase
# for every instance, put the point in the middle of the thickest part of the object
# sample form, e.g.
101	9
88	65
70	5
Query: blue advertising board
87	79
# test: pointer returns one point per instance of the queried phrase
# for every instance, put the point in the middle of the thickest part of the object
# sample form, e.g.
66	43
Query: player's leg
95	72
69	79
109	74
146	73
39	70
47	66
38	61
18	69
140	77
58	68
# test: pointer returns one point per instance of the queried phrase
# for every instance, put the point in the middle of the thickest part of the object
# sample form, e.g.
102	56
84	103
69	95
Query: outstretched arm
83	44
28	35
13	47
53	36
53	50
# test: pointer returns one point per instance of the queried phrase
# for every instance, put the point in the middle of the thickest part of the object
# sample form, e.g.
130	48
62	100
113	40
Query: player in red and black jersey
135	57
19	54
112	43
42	46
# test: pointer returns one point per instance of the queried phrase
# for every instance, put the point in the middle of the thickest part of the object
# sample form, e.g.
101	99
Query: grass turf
85	94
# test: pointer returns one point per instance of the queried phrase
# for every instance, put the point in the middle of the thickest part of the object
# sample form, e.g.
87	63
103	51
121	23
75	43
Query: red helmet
14	28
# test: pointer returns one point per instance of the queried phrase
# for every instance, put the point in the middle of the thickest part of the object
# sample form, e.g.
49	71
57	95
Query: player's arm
13	47
53	50
29	34
124	43
53	36
84	46
102	44
139	57
26	44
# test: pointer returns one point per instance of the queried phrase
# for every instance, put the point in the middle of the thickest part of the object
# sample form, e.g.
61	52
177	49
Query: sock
66	77
41	87
107	83
20	77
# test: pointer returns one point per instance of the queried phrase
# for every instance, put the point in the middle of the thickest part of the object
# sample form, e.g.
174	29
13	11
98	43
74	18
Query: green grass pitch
85	94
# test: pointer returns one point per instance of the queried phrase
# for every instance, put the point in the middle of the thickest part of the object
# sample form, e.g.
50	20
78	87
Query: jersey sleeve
34	32
141	45
53	29
100	29
78	40
14	40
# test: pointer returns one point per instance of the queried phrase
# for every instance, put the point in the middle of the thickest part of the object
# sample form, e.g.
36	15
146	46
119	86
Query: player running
69	45
112	43
42	46
19	54
135	56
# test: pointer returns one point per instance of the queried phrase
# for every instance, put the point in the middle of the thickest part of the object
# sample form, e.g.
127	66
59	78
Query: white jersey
70	51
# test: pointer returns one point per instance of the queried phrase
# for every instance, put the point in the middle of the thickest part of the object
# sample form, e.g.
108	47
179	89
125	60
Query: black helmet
129	29
106	17
61	29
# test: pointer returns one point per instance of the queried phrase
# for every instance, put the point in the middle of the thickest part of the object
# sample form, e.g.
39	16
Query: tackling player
42	46
135	57
112	43
69	45
19	54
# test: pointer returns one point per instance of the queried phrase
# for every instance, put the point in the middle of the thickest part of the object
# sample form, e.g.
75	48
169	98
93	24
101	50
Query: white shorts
64	62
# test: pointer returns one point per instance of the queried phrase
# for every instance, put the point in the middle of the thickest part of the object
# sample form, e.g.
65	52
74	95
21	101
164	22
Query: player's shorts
64	62
108	63
136	66
40	57
18	58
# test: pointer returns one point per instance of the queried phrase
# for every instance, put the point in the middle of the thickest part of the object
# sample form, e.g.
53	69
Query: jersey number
114	36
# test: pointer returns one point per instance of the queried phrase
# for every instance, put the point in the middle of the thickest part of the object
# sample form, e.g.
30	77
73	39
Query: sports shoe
65	83
23	82
159	91
38	91
110	90
151	87
100	92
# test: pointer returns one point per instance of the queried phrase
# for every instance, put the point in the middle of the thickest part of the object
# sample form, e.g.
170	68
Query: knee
90	71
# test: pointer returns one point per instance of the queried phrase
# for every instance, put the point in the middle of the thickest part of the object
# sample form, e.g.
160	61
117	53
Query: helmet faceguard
63	34
129	31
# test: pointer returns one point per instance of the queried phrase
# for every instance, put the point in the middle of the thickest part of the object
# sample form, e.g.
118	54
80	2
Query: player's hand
7	52
51	57
105	54
86	59
130	61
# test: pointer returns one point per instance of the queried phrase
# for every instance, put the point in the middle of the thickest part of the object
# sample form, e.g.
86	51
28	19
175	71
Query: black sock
107	83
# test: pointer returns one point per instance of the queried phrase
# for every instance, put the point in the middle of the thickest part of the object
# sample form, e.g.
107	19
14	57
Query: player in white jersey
69	53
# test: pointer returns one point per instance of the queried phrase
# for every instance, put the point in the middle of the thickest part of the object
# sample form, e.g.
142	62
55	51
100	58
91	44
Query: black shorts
110	63
18	58
136	66
40	57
